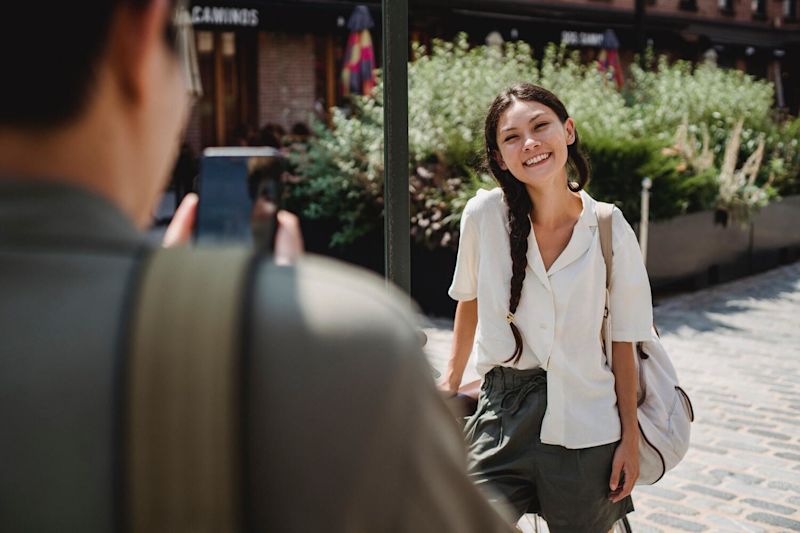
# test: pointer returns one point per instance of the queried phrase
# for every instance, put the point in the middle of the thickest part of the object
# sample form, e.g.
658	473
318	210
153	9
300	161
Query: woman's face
533	143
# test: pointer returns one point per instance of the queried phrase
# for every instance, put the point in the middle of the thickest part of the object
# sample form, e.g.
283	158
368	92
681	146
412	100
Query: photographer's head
98	97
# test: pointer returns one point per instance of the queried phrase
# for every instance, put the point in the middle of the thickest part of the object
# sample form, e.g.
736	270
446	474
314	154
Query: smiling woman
555	431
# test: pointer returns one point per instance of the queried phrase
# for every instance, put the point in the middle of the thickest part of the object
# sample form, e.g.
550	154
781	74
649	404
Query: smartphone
241	190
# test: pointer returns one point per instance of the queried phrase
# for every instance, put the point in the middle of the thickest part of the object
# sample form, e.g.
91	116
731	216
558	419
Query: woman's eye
540	126
510	138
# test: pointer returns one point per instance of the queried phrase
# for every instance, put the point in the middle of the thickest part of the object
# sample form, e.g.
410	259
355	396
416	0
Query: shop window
726	7
205	107
688	5
227	111
205	42
228	44
759	9
790	10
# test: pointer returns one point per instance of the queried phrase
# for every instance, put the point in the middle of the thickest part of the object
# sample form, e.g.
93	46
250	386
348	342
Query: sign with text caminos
224	16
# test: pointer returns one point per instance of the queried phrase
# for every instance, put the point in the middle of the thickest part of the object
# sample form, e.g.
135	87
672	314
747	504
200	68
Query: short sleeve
631	301
465	277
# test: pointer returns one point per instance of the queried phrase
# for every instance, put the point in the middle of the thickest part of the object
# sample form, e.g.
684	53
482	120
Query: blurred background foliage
671	122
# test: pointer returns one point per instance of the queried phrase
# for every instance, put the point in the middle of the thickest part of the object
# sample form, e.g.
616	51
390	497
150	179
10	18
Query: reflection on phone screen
239	200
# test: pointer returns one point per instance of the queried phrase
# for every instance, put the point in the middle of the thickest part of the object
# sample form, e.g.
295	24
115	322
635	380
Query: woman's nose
531	143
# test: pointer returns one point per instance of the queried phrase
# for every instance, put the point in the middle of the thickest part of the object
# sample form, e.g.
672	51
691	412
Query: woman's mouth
537	159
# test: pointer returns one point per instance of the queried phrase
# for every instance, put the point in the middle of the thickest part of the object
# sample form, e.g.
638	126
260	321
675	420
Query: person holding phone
344	430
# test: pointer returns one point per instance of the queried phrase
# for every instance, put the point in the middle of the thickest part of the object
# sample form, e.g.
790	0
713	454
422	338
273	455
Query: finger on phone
179	230
289	244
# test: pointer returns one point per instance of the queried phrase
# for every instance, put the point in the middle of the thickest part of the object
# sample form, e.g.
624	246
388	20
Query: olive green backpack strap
183	437
604	213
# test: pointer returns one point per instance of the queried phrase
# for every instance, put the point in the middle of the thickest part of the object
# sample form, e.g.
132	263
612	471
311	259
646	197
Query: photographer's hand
288	239
179	230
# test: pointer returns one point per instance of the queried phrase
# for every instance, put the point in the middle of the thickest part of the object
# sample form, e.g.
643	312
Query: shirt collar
580	242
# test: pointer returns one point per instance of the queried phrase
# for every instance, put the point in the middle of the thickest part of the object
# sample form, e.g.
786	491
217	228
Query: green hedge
628	134
619	168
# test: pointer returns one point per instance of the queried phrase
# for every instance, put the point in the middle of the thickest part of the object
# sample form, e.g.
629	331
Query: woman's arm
626	458
463	336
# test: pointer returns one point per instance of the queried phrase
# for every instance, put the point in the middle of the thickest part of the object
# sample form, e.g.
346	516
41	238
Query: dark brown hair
514	191
53	56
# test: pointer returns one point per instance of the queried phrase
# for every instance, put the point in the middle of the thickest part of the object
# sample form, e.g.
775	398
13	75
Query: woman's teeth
536	159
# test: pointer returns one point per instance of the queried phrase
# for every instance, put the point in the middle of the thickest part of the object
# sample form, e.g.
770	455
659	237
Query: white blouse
560	313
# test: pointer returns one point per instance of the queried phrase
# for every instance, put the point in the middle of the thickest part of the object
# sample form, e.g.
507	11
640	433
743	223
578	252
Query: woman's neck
554	205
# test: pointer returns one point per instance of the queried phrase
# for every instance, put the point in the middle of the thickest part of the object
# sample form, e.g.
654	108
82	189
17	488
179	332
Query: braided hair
514	191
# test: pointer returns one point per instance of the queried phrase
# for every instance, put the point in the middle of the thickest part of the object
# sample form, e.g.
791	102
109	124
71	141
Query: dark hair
240	136
300	129
514	191
260	169
50	54
266	137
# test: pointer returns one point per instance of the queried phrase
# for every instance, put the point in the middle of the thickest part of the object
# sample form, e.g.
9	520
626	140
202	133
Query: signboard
224	16
574	38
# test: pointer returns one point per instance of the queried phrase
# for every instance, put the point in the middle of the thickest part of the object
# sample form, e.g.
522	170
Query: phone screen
240	193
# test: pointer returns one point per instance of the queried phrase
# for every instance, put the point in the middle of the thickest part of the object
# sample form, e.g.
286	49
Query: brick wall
706	9
709	9
286	78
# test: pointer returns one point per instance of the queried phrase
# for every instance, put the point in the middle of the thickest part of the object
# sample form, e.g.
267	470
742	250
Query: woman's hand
624	469
464	325
448	385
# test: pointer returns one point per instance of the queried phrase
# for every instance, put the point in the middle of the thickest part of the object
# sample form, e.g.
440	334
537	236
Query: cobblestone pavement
737	351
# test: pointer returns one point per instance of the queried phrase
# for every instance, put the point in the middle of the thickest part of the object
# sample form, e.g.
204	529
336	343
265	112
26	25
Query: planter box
693	251
686	252
431	270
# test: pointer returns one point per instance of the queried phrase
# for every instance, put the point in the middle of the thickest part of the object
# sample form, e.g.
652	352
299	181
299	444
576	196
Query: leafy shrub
618	171
628	135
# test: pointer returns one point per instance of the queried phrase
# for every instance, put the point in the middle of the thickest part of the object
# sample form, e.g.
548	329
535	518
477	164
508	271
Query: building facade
279	62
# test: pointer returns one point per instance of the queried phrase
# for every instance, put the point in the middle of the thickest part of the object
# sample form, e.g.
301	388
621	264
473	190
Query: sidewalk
737	351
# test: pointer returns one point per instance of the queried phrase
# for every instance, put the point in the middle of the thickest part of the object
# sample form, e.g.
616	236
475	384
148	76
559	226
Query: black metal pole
397	226
639	9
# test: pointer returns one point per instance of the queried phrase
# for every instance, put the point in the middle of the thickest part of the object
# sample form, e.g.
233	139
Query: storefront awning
743	36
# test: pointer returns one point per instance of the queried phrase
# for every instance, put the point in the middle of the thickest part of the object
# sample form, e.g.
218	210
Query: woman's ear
569	130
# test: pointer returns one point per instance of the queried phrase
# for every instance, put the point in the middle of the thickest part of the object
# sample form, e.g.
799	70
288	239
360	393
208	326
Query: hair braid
519	208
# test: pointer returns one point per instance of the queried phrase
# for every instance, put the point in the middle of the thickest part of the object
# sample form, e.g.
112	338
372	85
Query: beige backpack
664	410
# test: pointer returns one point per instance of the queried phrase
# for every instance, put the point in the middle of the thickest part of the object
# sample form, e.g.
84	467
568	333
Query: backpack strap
604	212
183	435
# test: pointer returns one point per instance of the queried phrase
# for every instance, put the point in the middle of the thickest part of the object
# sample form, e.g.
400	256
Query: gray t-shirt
347	432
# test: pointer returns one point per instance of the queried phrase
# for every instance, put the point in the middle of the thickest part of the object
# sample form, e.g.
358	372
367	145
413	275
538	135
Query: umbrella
609	57
358	74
